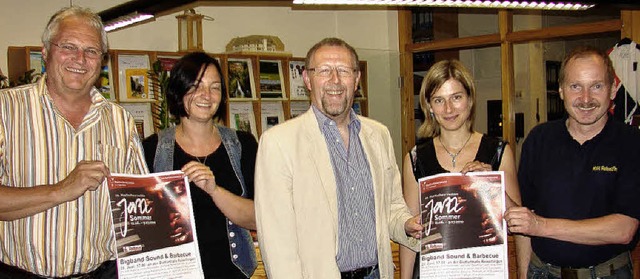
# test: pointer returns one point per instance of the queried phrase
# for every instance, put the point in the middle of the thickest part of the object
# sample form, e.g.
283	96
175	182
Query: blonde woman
448	143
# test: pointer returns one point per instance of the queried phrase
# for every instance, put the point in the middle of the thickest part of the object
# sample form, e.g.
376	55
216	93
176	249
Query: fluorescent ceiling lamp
126	20
538	5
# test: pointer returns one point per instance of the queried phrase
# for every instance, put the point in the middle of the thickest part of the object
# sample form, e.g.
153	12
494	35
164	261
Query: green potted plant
159	79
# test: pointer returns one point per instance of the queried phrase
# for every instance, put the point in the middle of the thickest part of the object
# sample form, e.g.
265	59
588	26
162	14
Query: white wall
372	32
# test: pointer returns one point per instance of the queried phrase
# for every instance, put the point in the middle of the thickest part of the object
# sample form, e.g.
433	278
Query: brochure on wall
465	235
141	113
133	78
271	79
241	117
298	107
153	226
296	83
272	114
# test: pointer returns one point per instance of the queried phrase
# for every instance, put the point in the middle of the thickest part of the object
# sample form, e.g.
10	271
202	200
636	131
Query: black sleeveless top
424	163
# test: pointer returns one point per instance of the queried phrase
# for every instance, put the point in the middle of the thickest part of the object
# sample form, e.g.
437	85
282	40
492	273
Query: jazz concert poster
154	231
465	234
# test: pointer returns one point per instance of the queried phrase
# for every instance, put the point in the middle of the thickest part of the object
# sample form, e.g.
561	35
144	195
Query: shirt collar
324	120
97	100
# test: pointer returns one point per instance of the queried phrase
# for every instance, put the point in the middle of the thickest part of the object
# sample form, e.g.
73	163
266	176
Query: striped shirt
38	146
357	245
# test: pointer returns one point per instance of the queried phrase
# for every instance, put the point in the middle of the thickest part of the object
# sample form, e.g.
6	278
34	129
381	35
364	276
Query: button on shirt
356	208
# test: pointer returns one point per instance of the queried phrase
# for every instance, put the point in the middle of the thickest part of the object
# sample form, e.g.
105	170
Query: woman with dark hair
448	143
218	161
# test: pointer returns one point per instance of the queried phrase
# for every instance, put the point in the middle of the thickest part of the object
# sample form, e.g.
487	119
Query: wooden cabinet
263	89
23	59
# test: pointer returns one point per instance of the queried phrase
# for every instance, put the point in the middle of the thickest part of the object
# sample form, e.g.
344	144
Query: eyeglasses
69	48
326	71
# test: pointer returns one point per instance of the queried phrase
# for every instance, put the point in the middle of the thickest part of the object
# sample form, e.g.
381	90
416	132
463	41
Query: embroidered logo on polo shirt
605	168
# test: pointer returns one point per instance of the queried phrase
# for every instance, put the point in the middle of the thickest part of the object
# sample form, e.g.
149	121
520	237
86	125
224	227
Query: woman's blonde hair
437	75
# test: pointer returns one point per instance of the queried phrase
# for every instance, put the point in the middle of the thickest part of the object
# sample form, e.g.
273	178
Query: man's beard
334	109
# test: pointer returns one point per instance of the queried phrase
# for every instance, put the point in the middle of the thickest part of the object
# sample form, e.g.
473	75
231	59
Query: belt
15	272
604	269
358	273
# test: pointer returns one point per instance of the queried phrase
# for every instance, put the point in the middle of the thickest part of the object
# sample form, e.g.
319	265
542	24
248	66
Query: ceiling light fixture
501	4
127	20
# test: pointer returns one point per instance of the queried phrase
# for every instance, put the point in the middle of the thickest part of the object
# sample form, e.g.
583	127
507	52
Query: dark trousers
107	270
416	267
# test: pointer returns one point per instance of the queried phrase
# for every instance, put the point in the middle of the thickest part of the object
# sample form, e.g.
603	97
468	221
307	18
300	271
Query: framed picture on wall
240	73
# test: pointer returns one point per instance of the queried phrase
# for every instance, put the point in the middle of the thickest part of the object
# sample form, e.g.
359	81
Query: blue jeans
536	272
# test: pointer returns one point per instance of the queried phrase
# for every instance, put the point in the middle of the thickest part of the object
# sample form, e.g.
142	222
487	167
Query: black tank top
426	163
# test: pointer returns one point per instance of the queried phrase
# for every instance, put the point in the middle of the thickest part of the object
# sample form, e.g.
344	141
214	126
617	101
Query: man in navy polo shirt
580	182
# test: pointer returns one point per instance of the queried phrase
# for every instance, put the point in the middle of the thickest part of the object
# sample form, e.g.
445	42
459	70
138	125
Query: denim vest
243	254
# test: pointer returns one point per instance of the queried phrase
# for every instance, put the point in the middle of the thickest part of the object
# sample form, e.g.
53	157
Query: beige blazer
296	203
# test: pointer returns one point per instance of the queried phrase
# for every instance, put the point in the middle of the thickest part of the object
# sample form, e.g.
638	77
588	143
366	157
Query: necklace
182	135
204	161
454	156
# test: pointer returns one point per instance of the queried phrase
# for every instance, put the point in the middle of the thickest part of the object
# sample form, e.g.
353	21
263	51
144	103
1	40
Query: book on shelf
271	114
36	62
167	62
240	73
133	78
271	79
298	107
141	113
242	118
296	83
104	84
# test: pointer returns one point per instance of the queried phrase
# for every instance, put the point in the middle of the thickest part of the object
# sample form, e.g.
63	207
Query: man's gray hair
51	31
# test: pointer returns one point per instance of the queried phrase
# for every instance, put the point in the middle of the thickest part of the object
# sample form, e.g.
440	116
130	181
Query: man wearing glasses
328	195
59	139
